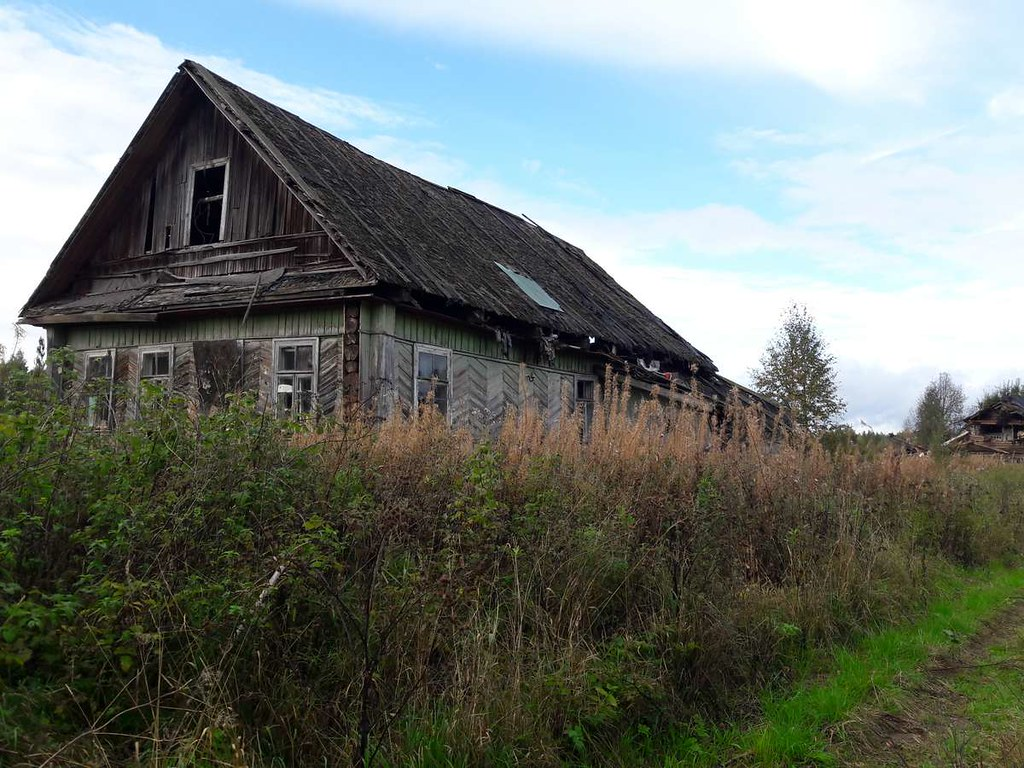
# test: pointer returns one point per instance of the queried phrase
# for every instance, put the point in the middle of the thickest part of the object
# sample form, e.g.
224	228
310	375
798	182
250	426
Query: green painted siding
420	329
327	321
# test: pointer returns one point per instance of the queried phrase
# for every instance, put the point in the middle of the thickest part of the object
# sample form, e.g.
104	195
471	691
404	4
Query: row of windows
294	378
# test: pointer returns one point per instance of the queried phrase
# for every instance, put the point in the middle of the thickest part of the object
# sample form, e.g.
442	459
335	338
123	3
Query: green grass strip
791	732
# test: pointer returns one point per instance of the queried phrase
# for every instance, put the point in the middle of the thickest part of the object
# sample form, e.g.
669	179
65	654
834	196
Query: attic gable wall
258	206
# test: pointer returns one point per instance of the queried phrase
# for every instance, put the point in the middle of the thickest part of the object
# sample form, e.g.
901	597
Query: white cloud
945	204
889	343
78	91
840	47
1008	103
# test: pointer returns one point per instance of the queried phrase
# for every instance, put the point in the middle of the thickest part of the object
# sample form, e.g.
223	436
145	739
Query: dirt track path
966	708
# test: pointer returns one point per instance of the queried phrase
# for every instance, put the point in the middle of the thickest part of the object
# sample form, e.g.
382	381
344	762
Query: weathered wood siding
328	321
484	383
424	329
213	357
258	204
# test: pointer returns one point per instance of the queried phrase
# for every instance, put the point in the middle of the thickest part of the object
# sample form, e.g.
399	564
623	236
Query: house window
585	394
432	376
99	380
155	366
209	186
295	376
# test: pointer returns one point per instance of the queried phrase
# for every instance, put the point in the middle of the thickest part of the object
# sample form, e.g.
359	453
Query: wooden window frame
169	349
274	373
226	162
433	350
89	407
588	416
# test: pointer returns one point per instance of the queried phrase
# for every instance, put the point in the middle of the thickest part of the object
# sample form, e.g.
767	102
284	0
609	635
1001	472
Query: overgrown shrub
228	589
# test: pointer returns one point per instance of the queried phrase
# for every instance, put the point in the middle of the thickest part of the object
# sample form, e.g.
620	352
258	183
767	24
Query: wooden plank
92	317
468	395
218	372
329	373
183	372
126	380
403	362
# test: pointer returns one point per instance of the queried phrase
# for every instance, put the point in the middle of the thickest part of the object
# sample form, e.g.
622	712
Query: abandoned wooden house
995	430
238	247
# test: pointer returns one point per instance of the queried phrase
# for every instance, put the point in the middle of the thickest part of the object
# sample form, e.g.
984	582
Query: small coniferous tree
939	411
799	373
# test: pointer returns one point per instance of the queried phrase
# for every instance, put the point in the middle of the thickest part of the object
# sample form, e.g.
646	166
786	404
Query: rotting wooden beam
92	317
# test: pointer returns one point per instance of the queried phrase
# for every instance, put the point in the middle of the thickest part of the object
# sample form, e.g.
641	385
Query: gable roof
1012	405
403	231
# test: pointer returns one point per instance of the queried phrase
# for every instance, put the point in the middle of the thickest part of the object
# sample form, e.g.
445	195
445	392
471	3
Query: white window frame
274	373
169	349
226	162
90	415
433	350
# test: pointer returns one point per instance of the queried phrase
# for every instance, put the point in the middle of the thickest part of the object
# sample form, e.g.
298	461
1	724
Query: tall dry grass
403	593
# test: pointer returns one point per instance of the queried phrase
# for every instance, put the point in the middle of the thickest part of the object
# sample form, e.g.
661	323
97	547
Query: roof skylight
530	287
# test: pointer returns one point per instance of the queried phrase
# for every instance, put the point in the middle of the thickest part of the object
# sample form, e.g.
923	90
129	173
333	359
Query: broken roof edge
1015	401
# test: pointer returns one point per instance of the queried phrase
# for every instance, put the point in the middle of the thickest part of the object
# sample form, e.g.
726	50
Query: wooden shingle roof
402	231
408	232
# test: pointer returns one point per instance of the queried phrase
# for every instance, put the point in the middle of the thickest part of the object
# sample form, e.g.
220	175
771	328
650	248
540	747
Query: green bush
231	589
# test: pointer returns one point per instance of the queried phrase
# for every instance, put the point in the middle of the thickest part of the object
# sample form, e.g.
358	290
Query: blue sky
720	160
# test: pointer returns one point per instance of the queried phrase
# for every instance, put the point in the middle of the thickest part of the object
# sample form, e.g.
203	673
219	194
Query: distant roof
1012	404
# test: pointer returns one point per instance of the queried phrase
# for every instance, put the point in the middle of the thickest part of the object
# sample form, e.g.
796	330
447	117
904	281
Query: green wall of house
483	378
381	352
326	321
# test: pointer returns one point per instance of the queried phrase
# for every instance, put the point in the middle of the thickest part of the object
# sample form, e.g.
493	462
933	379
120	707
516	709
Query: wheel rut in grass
965	707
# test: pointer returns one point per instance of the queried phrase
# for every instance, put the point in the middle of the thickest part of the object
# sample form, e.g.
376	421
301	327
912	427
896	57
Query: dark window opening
150	216
207	204
156	367
432	378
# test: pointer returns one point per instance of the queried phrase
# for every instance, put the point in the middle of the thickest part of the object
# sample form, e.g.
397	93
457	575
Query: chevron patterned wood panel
183	376
469	392
403	373
328	380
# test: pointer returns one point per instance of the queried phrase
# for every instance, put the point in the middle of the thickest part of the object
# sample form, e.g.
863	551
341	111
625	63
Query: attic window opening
531	288
209	183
